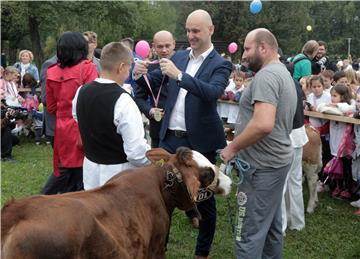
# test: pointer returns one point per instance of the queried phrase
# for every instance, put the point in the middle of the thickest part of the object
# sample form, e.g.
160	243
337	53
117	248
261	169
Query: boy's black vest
95	113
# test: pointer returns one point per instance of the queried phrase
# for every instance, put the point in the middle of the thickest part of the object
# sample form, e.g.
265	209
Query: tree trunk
12	57
35	40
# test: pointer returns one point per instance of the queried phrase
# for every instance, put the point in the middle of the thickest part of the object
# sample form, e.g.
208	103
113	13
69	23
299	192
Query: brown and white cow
128	217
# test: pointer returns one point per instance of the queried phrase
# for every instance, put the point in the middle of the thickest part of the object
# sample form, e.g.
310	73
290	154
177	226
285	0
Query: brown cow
128	217
312	164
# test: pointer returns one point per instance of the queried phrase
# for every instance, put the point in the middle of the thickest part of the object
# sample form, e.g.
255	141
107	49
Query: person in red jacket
63	79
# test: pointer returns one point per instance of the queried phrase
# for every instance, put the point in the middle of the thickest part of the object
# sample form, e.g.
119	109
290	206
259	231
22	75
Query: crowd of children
238	81
337	93
20	90
330	92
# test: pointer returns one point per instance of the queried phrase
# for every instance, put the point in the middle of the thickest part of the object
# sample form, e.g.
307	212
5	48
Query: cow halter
173	176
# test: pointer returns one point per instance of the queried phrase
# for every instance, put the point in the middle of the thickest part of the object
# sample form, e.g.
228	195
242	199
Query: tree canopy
37	25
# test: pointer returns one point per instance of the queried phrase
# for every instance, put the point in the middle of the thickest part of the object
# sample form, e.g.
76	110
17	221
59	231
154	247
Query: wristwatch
179	77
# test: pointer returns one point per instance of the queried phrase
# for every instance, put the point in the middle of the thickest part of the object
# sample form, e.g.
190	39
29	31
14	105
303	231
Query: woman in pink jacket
62	80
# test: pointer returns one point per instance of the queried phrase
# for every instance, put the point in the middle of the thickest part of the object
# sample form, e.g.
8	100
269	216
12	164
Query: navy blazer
203	124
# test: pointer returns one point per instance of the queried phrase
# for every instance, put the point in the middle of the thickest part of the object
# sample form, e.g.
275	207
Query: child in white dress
315	98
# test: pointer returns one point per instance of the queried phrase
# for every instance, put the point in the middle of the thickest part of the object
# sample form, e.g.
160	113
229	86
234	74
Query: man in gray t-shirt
267	109
271	85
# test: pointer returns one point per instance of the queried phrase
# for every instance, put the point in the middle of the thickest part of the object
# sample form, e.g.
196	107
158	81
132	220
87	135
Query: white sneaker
355	204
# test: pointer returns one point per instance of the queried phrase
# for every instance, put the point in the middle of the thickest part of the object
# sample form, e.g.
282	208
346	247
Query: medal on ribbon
157	115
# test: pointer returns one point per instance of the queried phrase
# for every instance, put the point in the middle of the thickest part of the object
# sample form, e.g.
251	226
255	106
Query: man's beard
319	56
255	64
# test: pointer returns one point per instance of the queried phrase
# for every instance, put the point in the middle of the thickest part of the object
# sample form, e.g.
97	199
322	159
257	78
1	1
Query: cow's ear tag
160	162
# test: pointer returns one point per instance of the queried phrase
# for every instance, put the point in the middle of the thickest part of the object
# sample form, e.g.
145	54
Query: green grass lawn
333	231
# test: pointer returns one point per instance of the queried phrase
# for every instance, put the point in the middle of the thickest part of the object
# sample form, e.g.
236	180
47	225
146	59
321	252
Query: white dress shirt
177	117
128	122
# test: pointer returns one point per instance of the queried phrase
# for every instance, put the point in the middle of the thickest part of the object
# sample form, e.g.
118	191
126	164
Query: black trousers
8	140
206	208
154	142
69	180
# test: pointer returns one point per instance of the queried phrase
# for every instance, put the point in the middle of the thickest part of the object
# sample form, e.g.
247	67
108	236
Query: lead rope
241	167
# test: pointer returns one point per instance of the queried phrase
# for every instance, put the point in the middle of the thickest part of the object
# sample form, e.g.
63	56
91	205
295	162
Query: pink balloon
232	47
142	49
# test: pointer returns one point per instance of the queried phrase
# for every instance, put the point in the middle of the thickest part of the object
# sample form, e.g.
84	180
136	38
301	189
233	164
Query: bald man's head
199	30
163	35
201	15
264	35
163	44
260	47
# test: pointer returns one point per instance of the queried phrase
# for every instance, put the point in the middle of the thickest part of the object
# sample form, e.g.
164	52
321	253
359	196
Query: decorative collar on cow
174	176
171	176
189	169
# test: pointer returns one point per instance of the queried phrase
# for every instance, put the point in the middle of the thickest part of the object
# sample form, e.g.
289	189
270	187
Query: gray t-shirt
272	84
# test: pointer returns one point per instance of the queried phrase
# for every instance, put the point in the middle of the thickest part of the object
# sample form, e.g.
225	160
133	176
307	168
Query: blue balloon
255	6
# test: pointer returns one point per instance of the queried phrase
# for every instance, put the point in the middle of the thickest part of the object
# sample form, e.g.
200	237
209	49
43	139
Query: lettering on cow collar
204	194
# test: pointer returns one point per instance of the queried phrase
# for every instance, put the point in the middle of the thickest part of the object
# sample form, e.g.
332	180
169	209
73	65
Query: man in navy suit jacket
195	79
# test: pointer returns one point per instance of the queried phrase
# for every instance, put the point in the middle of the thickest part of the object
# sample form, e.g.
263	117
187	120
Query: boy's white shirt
128	122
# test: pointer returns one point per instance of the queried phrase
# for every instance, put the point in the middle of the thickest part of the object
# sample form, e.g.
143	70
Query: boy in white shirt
110	123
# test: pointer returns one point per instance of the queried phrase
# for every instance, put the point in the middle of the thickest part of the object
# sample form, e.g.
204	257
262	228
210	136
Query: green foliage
13	22
111	20
332	21
331	232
